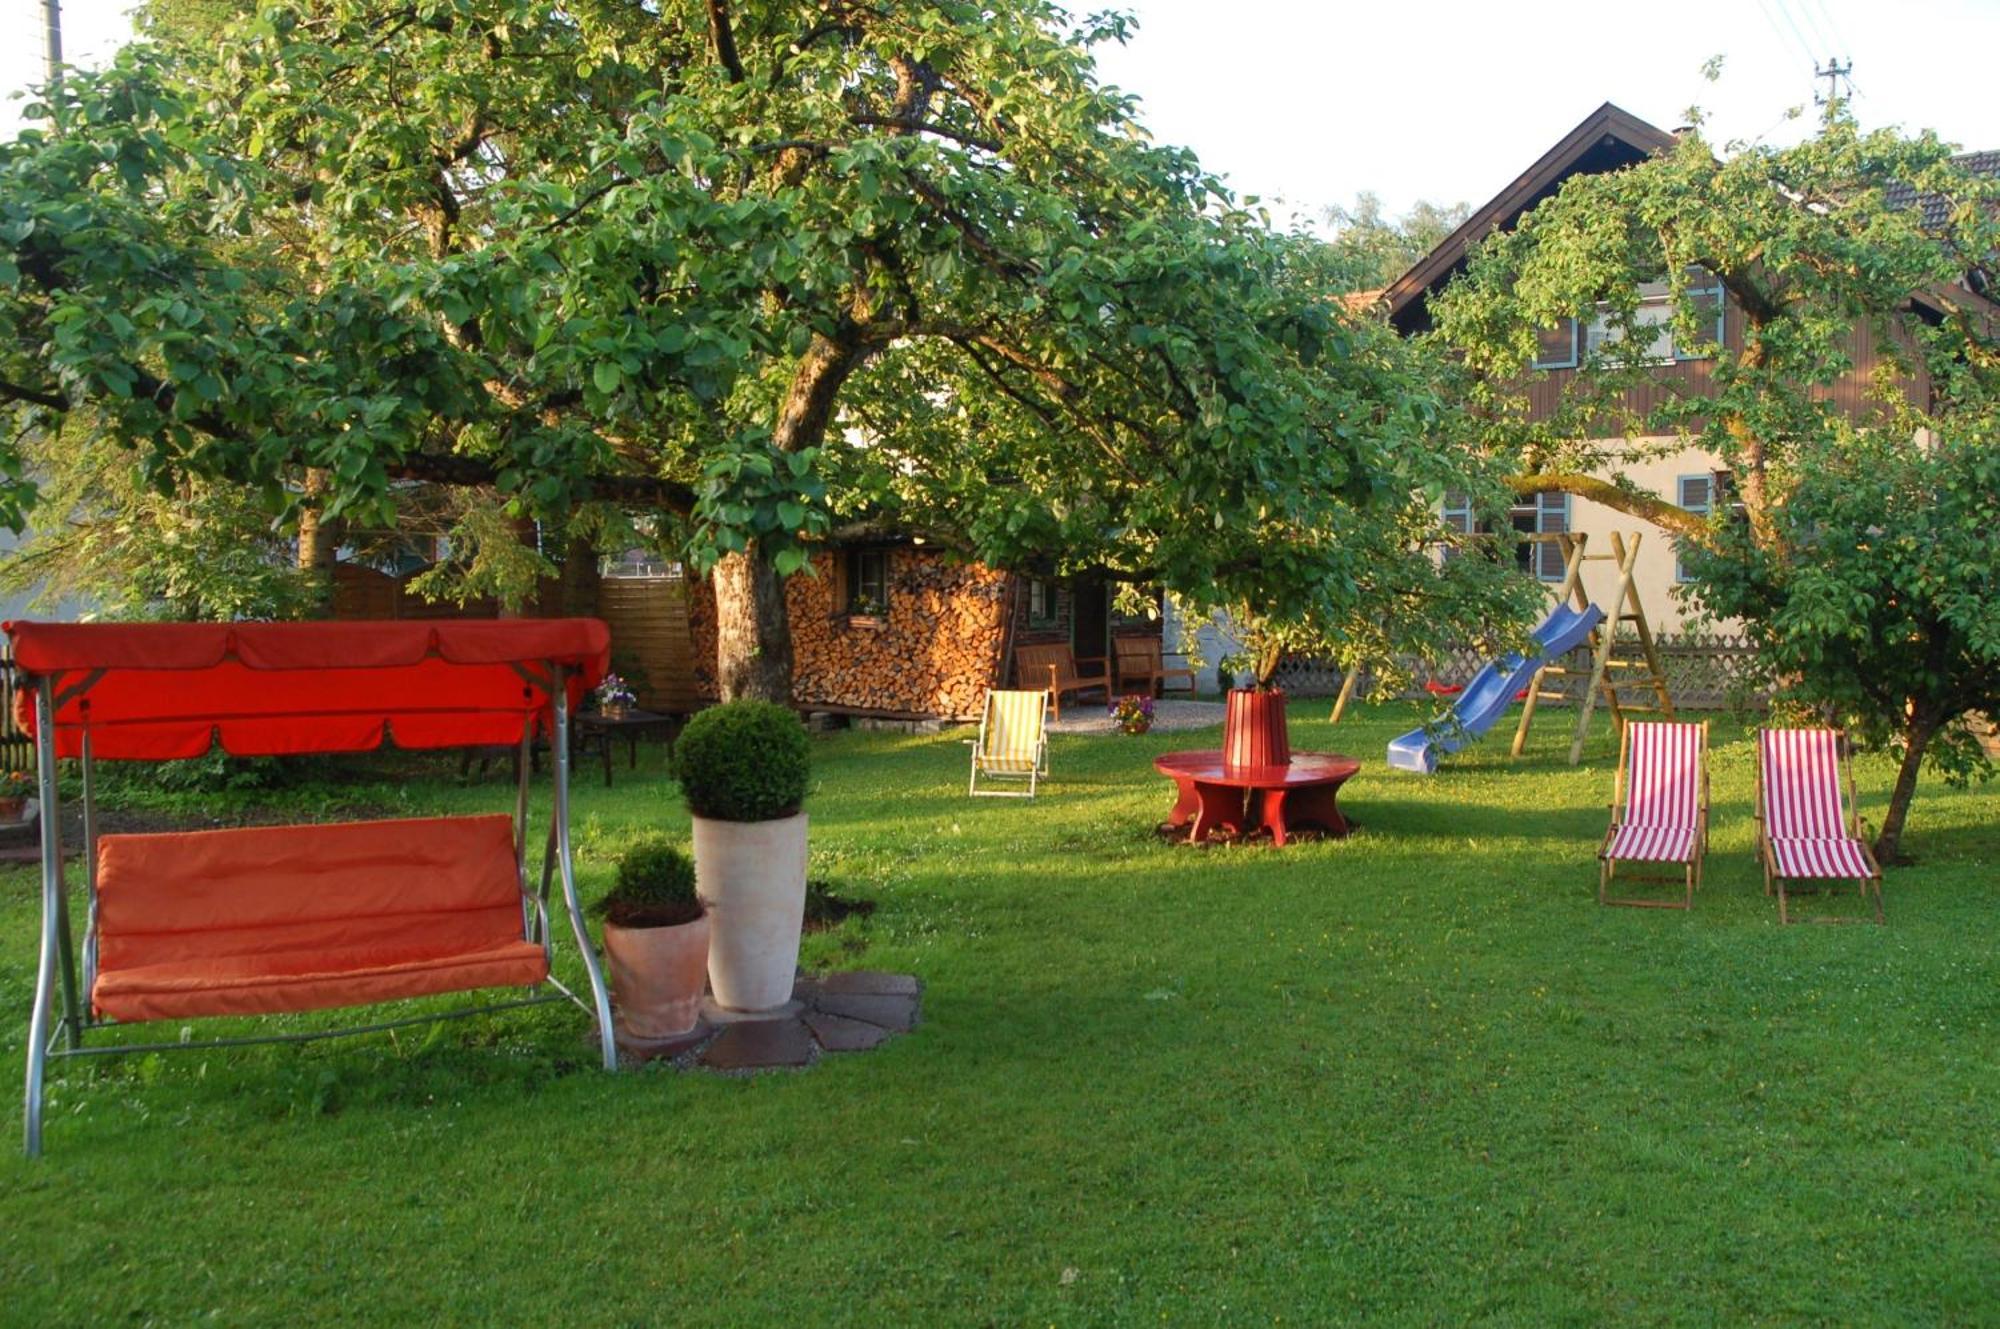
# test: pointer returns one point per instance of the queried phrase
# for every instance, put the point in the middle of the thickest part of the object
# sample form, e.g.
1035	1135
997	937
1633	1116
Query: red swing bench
282	919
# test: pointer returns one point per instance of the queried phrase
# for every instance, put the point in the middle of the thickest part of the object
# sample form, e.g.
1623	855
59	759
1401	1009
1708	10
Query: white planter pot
753	876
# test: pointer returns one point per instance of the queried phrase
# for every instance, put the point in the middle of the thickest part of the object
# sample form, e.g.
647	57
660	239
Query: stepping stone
837	1033
897	1013
869	982
760	1044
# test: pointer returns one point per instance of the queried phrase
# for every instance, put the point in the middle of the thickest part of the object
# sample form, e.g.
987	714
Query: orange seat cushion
298	918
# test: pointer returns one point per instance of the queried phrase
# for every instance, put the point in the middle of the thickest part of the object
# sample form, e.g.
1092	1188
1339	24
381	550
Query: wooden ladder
1625	607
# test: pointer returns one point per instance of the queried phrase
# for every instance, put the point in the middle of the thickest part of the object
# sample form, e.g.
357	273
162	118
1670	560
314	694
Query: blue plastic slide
1487	697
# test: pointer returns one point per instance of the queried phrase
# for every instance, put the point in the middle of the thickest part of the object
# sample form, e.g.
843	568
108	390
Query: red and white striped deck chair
1662	785
1808	828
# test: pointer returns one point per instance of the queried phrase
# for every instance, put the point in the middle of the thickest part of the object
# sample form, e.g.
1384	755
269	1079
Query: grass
1418	1076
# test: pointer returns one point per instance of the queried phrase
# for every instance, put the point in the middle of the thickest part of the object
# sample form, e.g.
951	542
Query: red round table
1241	799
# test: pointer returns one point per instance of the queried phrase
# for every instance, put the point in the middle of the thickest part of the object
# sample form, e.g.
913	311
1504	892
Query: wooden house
1610	139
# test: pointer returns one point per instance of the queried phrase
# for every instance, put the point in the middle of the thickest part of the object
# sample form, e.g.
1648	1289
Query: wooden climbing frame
1610	671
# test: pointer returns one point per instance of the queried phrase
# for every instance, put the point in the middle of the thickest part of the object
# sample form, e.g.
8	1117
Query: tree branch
1669	517
40	397
725	39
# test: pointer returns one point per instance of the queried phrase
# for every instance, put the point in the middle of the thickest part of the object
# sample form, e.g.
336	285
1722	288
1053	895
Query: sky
1307	103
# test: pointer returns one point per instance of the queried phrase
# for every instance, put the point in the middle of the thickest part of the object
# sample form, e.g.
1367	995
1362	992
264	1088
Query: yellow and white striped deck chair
1013	741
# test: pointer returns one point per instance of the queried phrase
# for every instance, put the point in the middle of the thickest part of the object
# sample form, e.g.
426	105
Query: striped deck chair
1013	741
1808	828
1662	783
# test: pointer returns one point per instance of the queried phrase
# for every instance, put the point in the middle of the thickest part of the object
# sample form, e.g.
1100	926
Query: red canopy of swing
157	691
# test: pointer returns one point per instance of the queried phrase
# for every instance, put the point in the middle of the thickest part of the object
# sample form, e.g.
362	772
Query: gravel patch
1168	717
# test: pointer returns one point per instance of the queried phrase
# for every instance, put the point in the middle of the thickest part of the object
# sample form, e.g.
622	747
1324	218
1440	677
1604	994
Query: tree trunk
753	634
1917	734
753	638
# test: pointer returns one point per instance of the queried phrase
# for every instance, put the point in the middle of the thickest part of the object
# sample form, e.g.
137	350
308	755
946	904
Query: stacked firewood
934	652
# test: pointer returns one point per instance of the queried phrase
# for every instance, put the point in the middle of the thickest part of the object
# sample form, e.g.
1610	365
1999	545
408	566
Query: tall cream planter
752	876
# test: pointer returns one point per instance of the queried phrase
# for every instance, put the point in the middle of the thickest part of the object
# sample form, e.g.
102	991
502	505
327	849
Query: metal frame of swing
57	970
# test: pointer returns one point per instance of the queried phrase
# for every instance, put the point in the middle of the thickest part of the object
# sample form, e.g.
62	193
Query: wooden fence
1704	672
651	641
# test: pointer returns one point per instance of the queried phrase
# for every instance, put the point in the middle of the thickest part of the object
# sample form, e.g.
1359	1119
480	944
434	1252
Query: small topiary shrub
743	761
655	887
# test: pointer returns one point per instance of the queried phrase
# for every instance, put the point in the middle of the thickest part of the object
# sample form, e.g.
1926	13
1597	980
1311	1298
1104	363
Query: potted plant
1134	714
615	698
15	786
656	934
743	768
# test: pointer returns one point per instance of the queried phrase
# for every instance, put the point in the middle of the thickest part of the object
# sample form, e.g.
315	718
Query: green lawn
1418	1076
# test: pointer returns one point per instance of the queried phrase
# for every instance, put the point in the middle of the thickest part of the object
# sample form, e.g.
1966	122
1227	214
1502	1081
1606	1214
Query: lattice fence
1704	672
16	752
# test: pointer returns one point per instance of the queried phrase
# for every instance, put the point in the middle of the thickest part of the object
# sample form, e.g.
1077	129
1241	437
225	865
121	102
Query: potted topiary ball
656	934
743	768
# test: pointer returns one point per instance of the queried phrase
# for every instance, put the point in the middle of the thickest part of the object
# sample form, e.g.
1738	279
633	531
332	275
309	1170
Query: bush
744	761
654	889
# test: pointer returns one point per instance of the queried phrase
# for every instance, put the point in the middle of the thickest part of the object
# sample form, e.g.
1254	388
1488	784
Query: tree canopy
760	273
1859	548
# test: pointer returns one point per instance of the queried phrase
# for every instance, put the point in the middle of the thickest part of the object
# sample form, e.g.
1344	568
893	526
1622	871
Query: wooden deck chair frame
1776	883
1691	873
1037	771
61	1016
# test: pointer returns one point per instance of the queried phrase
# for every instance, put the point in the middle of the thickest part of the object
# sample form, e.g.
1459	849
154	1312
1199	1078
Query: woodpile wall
933	653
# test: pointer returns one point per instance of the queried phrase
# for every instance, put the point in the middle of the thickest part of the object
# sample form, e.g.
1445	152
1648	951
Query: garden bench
1056	668
1141	659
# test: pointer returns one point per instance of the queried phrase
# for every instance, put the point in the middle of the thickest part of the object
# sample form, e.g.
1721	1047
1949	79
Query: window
1655	317
868	583
1701	494
1543	514
1697	494
1457	514
1041	603
1555	348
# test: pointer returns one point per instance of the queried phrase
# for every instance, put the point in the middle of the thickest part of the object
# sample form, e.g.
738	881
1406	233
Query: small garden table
596	729
1241	799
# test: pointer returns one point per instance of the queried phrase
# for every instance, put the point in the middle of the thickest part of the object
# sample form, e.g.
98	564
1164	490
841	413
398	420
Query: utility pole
1833	71
52	39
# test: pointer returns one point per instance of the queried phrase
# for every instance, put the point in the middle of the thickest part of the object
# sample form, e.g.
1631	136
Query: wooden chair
1141	659
1056	669
1662	783
1013	742
1808	827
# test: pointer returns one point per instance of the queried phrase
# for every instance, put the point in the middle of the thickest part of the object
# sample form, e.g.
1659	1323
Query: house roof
1936	206
1608	139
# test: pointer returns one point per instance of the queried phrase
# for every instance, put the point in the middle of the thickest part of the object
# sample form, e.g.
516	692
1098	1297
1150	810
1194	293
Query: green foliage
912	264
114	548
654	887
1863	553
1880	602
1373	250
744	761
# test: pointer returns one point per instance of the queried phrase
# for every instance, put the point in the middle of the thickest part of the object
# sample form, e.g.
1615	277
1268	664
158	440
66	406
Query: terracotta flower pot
658	976
1253	729
12	806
